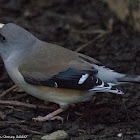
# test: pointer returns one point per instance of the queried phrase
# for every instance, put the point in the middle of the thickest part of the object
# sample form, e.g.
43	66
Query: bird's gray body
53	73
58	96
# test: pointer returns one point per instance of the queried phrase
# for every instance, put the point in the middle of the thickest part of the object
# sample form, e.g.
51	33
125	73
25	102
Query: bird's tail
129	79
109	76
124	80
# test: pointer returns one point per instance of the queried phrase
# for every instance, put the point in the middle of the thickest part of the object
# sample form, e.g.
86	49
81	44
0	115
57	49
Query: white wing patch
103	88
83	78
56	85
100	87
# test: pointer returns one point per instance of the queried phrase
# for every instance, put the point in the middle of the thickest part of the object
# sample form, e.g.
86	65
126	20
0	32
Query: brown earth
72	23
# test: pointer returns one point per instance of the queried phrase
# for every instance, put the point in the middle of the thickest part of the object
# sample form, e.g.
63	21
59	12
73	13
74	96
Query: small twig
2	115
8	90
90	42
110	24
24	128
96	31
12	109
75	19
17	103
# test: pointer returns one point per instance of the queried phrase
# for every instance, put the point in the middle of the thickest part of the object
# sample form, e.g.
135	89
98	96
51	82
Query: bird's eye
2	38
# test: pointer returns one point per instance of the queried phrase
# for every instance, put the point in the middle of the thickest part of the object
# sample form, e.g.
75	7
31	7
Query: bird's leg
51	116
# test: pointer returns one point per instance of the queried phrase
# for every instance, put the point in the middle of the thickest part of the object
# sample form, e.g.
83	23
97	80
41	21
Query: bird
54	73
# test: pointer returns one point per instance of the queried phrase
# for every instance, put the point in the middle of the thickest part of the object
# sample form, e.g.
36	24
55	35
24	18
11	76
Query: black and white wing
75	79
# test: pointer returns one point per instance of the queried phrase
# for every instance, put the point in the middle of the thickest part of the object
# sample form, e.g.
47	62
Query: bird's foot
47	118
51	116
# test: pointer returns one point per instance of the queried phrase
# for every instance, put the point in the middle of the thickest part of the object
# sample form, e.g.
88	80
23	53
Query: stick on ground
8	90
17	103
91	41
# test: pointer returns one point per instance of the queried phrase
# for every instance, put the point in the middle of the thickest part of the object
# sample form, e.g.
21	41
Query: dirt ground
71	24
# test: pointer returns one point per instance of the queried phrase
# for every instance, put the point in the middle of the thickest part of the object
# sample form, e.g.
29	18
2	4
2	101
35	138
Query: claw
39	119
51	116
47	118
58	118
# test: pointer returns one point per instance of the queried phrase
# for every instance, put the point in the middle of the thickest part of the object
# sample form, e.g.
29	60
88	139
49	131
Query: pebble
120	134
57	135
